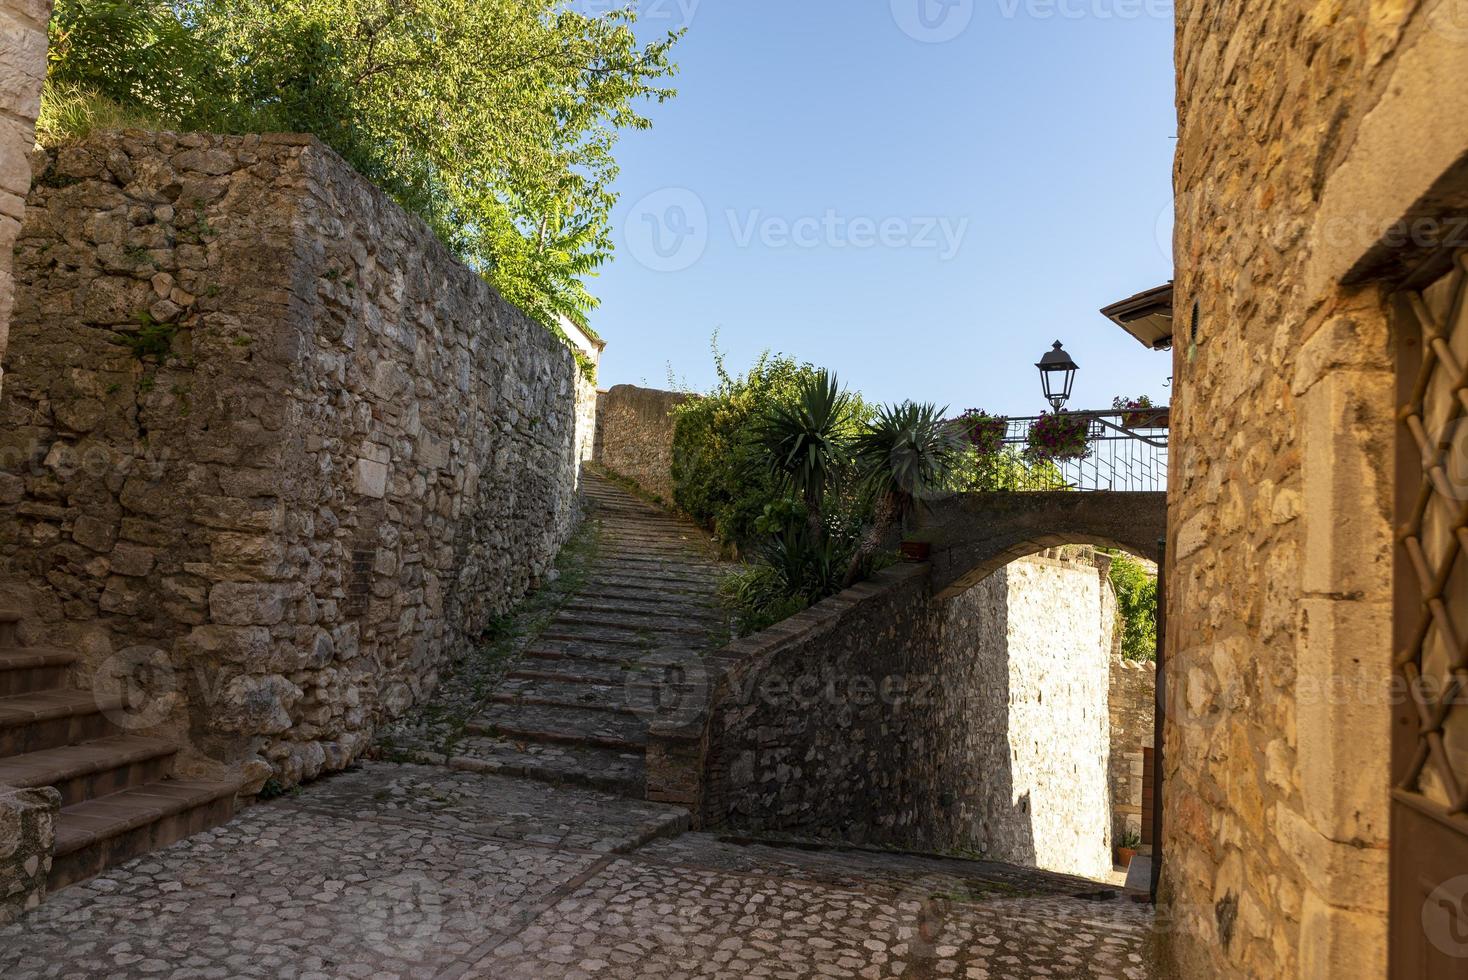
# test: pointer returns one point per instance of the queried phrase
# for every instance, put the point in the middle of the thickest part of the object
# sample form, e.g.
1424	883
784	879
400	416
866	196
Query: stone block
247	603
27	838
1340	943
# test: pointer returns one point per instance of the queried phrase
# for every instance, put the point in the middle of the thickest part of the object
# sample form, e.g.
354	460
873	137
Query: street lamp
1057	374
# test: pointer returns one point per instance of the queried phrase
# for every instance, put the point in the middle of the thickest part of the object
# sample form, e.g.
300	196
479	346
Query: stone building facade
22	69
267	445
1132	706
1315	142
634	435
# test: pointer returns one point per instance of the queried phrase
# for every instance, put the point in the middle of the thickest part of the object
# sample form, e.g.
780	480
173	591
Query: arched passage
975	534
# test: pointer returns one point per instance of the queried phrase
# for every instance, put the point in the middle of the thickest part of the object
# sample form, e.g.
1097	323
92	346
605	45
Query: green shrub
494	120
722	477
1136	597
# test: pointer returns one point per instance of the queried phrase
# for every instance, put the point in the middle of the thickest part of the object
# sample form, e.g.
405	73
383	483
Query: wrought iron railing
1126	450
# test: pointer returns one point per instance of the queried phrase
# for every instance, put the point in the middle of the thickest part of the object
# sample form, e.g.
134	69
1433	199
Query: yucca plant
804	440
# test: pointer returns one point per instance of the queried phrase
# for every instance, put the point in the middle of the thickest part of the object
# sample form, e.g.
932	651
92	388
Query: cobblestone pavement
573	704
396	871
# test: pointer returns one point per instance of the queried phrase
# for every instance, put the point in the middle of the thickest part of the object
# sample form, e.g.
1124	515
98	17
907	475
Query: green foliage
805	440
904	454
721	477
151	339
73	112
495	120
1136	596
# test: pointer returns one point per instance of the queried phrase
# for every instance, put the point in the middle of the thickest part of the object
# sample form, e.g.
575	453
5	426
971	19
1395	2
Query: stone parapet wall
881	716
264	435
22	70
27	838
634	435
1133	708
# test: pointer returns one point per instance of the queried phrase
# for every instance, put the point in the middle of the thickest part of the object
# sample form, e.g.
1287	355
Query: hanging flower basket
1059	437
983	431
1140	413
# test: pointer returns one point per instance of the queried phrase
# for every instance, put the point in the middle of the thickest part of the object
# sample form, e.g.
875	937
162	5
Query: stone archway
975	534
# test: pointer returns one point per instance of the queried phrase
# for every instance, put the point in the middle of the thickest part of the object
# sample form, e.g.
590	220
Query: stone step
650	585
567	693
704	614
683	567
570	651
609	770
572	671
632	621
33	669
635	643
98	834
9	627
51	719
576	726
92	769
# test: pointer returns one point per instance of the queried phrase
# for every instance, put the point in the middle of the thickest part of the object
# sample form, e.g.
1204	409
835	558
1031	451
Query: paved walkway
402	871
574	703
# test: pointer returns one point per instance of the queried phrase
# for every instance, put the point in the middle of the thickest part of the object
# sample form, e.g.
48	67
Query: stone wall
22	69
880	716
27	837
1132	706
1305	133
266	438
634	435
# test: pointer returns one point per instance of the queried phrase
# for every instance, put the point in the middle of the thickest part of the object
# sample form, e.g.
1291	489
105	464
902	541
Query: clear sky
919	194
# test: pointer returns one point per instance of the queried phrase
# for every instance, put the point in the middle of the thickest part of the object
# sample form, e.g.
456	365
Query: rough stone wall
634	435
27	837
265	436
22	69
1305	132
1133	703
977	724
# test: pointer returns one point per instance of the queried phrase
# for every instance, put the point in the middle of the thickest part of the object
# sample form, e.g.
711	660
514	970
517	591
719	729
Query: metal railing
1126	450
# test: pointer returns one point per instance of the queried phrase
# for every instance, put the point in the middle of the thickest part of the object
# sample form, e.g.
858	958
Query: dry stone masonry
634	435
22	67
268	448
880	716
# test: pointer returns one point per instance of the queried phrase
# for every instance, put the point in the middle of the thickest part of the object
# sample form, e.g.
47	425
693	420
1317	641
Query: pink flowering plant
1059	437
982	431
1140	412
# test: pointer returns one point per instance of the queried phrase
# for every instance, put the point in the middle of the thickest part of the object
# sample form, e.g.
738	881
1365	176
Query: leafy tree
1136	598
495	120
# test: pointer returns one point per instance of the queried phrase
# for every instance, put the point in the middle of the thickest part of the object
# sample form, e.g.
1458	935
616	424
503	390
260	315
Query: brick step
575	726
33	669
9	627
92	769
98	834
631	621
610	770
51	719
690	612
565	693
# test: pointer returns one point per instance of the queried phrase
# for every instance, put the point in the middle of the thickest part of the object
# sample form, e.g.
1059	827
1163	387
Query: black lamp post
1057	374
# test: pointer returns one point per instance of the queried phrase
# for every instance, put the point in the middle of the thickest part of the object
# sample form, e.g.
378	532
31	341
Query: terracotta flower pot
1124	856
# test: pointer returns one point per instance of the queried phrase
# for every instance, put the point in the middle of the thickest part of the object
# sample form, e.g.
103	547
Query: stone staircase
576	704
118	800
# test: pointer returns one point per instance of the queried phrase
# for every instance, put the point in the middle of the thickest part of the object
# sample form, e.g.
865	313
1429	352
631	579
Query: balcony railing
1127	450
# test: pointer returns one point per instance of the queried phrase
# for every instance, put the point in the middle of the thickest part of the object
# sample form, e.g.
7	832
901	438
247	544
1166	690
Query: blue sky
921	203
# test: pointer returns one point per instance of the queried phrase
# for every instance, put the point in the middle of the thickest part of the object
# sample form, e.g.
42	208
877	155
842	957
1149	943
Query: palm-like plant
904	454
804	440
